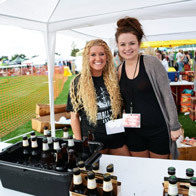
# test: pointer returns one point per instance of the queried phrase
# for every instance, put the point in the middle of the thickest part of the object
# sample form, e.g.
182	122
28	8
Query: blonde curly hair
85	98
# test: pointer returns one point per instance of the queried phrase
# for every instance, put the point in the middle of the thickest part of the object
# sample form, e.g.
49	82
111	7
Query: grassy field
27	127
187	123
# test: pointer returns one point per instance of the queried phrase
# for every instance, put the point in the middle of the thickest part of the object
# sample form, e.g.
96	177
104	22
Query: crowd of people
135	97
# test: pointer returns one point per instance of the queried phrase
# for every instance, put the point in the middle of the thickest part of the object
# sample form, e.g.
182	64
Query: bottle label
56	145
192	191
77	179
172	189
71	143
91	184
45	131
65	134
34	144
25	143
49	140
107	186
45	147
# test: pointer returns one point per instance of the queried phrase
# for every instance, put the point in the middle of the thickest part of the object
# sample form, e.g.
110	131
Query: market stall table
177	88
139	176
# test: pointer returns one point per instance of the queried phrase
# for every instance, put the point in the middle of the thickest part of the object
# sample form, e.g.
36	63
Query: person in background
162	59
180	57
116	59
94	98
171	59
145	90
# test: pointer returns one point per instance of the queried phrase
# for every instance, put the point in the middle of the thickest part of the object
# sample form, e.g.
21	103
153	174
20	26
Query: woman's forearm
75	125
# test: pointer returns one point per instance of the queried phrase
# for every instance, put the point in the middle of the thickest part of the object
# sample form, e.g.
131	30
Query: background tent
162	20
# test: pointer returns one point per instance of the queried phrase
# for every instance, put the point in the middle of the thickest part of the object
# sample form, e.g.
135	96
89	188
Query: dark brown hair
129	25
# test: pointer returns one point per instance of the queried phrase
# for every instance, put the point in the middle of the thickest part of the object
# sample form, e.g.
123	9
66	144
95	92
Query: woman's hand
176	134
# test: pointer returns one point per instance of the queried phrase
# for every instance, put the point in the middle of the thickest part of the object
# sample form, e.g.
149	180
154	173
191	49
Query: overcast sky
14	40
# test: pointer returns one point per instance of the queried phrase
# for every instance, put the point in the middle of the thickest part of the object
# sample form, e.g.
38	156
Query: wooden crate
182	183
99	176
44	109
187	153
39	123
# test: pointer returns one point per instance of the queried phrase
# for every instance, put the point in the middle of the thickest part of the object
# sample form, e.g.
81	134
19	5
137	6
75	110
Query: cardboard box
99	177
39	123
44	109
187	153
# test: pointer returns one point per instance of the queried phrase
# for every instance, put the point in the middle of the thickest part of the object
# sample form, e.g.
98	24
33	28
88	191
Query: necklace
136	67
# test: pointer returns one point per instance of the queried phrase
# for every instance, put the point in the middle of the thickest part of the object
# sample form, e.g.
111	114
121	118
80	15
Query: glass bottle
26	149
85	149
171	171
91	184
78	186
65	133
56	144
81	165
192	188
71	143
95	167
189	173
35	154
45	130
50	140
90	135
32	134
172	187
71	159
60	166
64	152
110	169
107	185
47	158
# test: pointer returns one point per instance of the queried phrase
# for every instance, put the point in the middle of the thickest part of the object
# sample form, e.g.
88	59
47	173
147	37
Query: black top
103	104
139	90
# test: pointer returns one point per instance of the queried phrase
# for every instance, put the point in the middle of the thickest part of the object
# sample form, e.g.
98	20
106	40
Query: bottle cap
44	140
63	145
80	164
171	171
45	127
106	177
24	137
55	139
91	175
65	129
70	137
95	166
34	139
110	168
172	180
189	172
32	133
193	181
48	134
76	171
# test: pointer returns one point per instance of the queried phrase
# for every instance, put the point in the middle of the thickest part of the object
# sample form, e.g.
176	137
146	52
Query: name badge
114	126
132	120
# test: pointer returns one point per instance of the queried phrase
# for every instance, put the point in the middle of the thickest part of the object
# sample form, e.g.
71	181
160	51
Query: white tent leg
50	39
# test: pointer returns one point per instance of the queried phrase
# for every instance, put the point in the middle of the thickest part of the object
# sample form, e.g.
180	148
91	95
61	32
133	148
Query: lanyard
132	92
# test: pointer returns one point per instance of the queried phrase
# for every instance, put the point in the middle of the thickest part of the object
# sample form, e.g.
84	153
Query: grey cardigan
160	83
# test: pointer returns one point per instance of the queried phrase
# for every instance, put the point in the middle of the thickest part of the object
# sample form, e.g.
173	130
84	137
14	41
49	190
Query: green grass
27	127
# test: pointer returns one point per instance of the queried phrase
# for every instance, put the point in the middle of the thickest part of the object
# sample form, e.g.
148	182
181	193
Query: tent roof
162	20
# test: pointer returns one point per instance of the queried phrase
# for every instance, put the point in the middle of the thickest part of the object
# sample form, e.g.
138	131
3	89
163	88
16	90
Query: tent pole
50	39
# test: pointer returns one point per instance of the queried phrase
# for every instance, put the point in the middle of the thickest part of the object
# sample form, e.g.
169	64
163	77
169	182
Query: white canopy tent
162	20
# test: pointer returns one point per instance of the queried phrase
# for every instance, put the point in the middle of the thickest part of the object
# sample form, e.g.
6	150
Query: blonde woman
94	98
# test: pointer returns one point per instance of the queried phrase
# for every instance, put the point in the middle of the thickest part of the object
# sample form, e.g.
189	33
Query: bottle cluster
91	183
54	153
181	186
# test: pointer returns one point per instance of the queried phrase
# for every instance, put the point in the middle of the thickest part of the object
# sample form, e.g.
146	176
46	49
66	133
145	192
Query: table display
138	176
